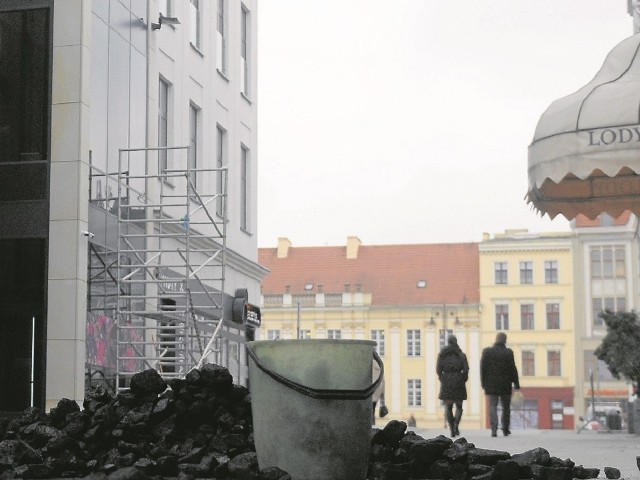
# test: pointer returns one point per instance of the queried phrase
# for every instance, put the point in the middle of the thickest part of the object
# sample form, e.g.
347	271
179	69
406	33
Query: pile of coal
199	427
400	455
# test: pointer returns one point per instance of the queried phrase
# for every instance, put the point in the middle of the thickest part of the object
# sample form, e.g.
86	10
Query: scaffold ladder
171	262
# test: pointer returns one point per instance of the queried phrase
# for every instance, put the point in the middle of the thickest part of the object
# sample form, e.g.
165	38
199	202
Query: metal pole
33	358
298	322
444	323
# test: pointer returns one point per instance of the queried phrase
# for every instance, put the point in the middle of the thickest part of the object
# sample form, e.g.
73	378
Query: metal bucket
312	407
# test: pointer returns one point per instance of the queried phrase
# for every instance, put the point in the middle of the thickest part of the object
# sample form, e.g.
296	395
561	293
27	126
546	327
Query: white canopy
585	154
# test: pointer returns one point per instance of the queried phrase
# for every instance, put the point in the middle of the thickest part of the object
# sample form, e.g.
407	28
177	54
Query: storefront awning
585	154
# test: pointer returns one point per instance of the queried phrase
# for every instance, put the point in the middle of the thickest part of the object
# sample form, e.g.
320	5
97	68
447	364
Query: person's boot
457	419
451	422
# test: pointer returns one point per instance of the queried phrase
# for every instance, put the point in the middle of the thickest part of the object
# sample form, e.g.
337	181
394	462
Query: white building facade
111	109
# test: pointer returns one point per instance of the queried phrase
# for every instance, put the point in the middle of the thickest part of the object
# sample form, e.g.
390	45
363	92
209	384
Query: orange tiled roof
389	272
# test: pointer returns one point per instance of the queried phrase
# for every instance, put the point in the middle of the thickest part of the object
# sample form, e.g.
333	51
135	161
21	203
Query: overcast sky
408	121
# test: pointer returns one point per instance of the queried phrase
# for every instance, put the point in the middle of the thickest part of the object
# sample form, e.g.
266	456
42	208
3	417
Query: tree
620	348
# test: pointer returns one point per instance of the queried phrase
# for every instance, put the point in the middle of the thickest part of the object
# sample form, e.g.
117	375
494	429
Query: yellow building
544	290
407	298
526	290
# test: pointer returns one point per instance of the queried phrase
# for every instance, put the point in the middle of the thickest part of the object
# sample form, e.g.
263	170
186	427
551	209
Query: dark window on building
553	363
24	104
527	321
502	317
551	271
501	273
553	316
526	272
528	364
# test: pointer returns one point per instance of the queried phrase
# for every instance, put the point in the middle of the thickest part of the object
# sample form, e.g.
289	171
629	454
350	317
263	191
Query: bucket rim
318	393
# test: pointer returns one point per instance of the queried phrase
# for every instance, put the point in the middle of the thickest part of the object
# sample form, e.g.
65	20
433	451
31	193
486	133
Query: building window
553	316
334	334
444	336
378	337
611	304
413	343
273	335
414	392
194	23
553	363
164	8
502	317
528	364
163	124
551	271
244	188
193	145
597	368
607	262
526	273
304	334
221	156
527	321
501	273
221	40
244	51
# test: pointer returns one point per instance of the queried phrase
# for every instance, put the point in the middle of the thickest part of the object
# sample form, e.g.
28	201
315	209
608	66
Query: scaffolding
170	262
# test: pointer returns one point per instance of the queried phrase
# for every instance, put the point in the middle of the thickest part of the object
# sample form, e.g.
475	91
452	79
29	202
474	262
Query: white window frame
163	124
334	334
221	38
526	272
245	187
522	315
549	352
414	343
525	373
377	335
549	309
194	142
165	8
221	161
551	274
501	273
245	50
195	23
502	321
414	392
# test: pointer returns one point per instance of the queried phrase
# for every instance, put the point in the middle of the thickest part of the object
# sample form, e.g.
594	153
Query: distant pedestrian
412	421
453	371
498	374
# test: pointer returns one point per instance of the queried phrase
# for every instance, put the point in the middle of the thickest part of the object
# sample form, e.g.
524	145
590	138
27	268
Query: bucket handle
322	394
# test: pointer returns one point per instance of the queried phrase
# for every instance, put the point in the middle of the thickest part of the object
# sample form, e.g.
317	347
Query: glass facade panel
24	104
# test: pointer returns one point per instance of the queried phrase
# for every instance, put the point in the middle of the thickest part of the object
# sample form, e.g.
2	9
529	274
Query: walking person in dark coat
498	373
453	371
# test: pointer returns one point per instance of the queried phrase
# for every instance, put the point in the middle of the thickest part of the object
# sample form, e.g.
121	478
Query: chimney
283	247
353	243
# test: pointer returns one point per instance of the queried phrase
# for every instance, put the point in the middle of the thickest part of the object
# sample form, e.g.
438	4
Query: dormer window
422	284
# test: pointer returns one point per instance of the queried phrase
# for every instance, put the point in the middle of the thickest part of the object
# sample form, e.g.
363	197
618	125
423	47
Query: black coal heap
201	427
